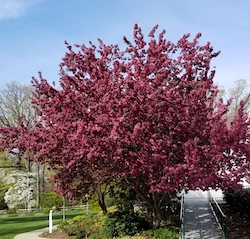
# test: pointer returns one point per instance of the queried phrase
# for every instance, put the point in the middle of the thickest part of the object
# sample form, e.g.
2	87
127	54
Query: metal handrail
218	213
182	233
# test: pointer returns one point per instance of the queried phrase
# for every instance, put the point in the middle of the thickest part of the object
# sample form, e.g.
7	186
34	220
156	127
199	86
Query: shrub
81	225
93	204
162	233
72	229
48	200
239	202
46	210
124	223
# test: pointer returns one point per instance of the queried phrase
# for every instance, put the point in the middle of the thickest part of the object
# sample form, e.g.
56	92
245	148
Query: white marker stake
50	221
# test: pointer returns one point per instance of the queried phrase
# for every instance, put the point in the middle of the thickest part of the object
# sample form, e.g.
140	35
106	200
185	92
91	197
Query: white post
50	221
87	204
63	208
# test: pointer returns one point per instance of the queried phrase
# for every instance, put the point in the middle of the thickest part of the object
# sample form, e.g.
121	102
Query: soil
237	227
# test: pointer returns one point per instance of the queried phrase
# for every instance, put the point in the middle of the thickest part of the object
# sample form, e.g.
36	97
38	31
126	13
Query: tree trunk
102	204
155	204
157	217
101	191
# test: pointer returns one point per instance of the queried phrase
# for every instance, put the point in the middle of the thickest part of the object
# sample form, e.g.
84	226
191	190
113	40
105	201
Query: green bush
81	225
46	210
48	200
72	229
94	236
162	233
93	204
124	223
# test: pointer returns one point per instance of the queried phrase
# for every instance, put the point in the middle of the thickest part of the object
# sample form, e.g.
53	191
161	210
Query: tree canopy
146	114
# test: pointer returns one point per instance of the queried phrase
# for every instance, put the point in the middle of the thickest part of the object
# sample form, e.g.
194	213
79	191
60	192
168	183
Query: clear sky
32	32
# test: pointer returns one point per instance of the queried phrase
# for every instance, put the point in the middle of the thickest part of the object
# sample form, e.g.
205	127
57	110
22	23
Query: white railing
26	210
83	206
218	213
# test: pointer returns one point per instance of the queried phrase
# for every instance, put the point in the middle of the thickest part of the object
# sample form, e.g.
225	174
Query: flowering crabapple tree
146	114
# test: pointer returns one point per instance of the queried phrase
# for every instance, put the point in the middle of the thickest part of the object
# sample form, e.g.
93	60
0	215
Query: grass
12	225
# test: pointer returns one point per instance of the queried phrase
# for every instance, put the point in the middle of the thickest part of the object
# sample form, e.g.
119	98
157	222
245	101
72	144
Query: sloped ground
237	227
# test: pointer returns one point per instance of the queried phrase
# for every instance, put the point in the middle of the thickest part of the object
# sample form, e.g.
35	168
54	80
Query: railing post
50	221
63	208
181	232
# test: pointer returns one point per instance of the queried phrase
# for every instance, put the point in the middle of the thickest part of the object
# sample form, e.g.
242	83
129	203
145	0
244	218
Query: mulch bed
237	227
57	234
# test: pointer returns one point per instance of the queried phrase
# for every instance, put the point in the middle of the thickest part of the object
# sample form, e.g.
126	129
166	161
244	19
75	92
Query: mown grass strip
11	226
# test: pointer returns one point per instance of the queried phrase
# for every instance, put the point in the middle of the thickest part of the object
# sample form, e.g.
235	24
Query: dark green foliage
3	205
125	198
124	223
3	189
239	201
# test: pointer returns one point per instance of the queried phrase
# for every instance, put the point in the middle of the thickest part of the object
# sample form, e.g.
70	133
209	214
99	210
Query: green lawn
11	226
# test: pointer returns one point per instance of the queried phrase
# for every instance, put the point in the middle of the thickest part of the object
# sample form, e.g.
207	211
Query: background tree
17	112
17	116
146	114
240	92
15	104
21	193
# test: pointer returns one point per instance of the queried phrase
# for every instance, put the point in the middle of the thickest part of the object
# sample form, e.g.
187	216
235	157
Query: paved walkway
199	221
33	234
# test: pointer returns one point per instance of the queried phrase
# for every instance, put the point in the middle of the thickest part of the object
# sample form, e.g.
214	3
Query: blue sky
33	31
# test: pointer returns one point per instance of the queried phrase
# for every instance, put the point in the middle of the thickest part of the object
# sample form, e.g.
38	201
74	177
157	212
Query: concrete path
33	234
199	221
